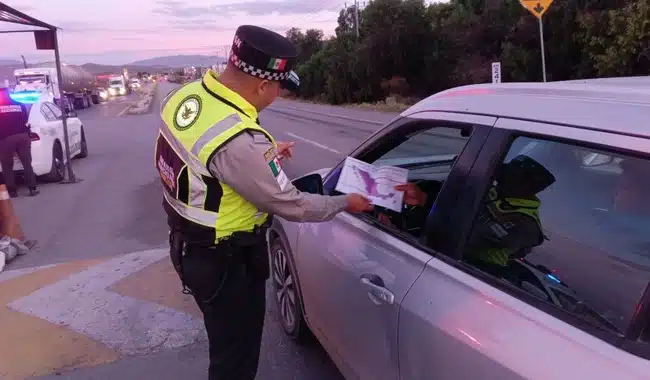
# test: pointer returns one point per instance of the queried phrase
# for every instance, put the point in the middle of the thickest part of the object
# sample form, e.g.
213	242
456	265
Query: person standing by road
222	180
14	139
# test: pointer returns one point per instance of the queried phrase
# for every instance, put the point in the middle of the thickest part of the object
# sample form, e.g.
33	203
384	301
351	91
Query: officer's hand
358	203
284	149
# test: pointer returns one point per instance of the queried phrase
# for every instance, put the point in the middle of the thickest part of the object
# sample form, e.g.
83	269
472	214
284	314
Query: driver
508	223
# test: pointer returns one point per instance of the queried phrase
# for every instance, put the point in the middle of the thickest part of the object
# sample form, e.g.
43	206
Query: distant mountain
7	62
95	68
7	71
180	61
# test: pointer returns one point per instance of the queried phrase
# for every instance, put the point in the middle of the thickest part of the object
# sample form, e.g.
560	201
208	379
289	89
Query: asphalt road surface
97	298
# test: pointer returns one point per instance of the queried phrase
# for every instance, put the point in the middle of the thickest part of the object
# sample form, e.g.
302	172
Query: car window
47	112
429	154
55	110
575	218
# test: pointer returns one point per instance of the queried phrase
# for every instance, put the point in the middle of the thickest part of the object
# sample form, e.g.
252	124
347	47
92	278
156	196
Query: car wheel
287	293
84	145
57	171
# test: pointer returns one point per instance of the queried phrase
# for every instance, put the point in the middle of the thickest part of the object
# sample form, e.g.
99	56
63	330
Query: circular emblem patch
187	112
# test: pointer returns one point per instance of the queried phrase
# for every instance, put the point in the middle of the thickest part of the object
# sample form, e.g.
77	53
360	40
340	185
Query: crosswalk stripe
83	304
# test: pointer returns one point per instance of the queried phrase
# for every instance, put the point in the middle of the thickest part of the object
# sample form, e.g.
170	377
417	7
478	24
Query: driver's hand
413	196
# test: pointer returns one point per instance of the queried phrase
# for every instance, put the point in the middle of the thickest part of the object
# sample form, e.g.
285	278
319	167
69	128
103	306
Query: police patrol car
46	133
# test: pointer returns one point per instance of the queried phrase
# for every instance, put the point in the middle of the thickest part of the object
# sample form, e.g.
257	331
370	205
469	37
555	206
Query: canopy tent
46	38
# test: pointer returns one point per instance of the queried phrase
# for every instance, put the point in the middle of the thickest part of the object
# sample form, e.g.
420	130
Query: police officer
14	139
222	178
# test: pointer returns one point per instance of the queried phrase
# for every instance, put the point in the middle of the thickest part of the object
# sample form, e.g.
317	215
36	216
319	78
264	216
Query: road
97	299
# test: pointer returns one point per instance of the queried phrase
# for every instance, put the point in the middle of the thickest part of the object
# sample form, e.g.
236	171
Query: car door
568	305
74	129
354	270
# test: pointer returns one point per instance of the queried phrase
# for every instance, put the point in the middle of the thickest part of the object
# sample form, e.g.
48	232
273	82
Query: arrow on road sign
83	303
536	7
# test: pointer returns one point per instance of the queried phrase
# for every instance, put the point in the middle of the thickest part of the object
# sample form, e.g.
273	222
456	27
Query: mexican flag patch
278	173
275	167
277	64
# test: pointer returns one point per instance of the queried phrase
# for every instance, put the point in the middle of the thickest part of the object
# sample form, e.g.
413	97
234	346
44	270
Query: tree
409	47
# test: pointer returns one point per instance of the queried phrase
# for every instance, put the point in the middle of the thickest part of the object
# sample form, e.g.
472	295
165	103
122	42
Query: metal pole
356	17
64	116
541	43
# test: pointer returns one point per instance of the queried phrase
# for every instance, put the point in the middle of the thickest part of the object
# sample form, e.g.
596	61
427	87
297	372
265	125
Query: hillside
156	64
7	62
7	71
95	68
179	61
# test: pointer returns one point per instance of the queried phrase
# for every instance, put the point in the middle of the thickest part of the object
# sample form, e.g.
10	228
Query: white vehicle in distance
117	85
46	133
135	83
103	93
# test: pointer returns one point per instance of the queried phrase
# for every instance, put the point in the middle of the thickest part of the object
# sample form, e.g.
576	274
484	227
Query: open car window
429	154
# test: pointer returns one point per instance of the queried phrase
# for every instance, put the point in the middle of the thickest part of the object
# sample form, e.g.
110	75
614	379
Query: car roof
617	105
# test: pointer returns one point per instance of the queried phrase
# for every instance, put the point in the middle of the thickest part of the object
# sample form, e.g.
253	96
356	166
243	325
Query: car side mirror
71	114
312	184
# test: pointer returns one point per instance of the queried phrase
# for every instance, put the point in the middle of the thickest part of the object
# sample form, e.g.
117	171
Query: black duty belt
236	239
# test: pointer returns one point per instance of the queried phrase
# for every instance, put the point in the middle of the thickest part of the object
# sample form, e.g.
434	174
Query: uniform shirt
241	164
13	116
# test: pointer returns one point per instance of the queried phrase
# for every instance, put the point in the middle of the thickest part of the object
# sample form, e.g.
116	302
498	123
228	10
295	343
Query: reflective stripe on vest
191	190
527	207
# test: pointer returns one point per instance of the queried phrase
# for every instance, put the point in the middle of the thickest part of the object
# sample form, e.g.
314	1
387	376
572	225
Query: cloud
90	27
178	9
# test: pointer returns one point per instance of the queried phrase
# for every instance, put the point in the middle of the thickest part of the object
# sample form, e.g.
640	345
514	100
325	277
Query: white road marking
129	325
314	143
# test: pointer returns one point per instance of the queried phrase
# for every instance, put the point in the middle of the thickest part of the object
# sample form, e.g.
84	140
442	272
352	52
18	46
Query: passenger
633	188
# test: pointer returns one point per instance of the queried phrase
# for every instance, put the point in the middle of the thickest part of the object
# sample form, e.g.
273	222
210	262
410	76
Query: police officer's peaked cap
266	55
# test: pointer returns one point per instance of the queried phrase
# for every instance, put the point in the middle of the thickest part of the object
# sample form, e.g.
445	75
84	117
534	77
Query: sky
123	31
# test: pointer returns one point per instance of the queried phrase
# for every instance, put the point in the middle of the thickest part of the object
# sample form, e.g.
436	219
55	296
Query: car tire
84	145
287	293
57	171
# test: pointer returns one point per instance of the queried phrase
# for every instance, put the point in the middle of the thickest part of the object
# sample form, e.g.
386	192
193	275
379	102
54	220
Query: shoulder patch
269	154
187	112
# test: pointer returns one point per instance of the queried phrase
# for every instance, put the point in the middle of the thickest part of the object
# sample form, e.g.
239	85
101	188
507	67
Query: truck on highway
118	85
78	88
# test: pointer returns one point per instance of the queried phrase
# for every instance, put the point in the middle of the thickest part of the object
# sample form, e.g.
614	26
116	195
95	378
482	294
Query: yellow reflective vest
198	119
502	214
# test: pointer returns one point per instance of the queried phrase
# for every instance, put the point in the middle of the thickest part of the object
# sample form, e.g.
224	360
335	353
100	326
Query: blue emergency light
25	97
554	278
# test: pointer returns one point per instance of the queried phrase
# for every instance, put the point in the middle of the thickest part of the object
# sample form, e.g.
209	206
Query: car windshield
115	82
24	79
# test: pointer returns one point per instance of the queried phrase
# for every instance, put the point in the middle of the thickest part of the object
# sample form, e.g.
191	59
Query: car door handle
377	291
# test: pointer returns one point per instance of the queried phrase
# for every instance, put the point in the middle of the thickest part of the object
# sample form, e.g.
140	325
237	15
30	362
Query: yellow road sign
536	7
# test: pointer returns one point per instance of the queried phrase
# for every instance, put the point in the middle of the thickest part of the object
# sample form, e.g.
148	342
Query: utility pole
356	17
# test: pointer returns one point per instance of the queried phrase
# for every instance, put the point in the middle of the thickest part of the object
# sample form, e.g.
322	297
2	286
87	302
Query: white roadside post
496	72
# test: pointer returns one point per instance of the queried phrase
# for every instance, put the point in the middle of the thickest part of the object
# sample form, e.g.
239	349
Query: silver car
406	295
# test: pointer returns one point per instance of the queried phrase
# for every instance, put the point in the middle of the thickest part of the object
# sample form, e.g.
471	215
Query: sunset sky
123	31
